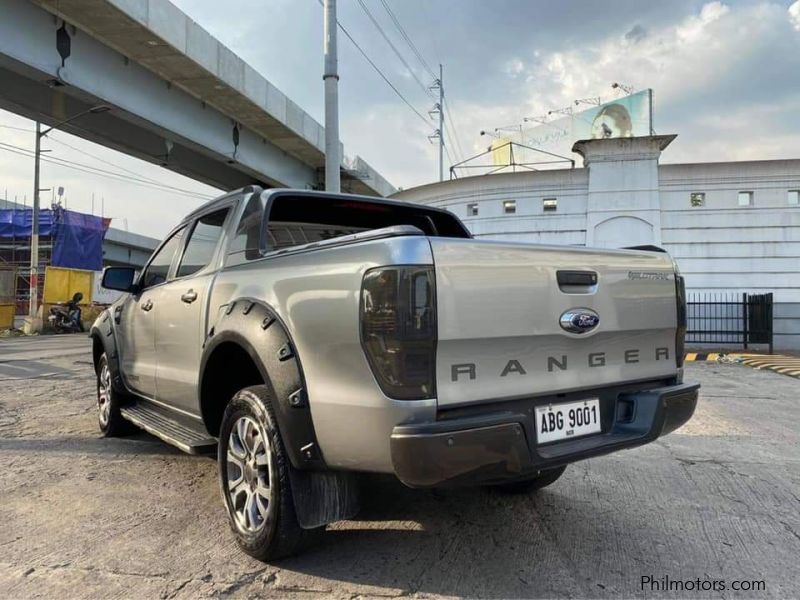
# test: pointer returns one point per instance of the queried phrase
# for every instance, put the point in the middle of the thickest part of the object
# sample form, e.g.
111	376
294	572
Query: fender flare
102	330
256	327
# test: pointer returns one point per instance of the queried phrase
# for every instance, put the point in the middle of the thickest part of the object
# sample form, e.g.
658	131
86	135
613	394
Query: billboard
629	116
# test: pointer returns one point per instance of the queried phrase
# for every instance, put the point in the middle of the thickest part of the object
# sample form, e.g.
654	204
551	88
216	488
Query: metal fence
729	319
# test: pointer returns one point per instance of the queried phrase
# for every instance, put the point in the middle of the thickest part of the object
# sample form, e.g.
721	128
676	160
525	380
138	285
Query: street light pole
331	80
33	305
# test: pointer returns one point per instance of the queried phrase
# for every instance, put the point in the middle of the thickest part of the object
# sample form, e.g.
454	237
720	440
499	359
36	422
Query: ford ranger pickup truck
306	337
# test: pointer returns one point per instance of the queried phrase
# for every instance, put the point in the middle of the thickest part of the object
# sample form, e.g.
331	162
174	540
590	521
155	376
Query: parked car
306	337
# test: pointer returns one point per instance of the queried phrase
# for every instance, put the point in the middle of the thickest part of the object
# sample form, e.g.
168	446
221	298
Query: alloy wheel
104	394
249	474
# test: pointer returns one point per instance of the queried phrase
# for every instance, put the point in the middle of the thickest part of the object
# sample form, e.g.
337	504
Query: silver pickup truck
306	337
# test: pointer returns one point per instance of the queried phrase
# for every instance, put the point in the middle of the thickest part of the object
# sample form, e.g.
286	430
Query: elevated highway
179	98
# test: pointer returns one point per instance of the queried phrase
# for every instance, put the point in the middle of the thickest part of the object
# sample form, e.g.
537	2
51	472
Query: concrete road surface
82	516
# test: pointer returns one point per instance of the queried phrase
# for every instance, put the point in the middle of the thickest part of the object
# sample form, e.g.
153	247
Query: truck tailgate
499	307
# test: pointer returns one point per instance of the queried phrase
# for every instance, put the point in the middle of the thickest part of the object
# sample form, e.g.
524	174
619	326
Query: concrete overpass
123	248
179	97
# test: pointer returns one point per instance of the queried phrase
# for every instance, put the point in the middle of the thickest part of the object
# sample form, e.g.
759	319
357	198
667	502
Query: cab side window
202	242
158	269
244	245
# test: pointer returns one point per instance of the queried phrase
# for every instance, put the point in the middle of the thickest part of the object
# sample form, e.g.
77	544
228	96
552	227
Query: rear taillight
680	331
398	329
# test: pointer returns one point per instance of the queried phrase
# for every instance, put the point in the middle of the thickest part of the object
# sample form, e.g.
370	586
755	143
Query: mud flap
322	497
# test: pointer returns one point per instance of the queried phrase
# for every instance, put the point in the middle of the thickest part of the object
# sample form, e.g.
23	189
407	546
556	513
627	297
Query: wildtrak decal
469	371
649	275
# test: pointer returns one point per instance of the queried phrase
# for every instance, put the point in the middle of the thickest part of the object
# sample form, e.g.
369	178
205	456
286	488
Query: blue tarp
17	222
77	237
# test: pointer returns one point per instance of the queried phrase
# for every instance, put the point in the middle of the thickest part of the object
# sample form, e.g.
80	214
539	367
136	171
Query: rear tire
109	401
525	486
254	479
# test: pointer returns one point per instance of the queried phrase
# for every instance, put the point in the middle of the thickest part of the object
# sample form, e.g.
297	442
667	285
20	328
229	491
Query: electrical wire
374	66
450	143
407	39
451	120
449	158
102	173
380	29
17	128
97	158
414	48
84	152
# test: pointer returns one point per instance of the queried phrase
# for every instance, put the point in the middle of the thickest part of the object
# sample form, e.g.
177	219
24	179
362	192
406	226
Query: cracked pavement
85	517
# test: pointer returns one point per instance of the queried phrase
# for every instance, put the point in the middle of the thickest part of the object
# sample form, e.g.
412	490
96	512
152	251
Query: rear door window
202	243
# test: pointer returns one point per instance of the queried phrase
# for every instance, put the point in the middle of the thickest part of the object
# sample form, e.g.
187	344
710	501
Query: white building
732	226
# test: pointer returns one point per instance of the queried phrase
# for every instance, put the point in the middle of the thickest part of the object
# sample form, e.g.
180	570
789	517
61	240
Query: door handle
147	305
189	297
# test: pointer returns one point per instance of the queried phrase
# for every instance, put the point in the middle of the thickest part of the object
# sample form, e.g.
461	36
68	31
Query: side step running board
172	431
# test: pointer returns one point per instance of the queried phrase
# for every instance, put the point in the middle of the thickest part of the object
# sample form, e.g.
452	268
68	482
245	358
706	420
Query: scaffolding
505	157
15	267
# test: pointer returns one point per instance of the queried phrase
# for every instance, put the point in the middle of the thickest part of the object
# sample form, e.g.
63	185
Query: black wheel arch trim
256	328
103	332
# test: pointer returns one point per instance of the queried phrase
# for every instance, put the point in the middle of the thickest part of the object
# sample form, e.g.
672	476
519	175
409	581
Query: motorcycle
66	317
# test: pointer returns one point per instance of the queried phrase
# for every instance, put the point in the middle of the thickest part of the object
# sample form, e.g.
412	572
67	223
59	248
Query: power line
449	158
97	158
451	121
102	173
450	143
17	128
407	39
374	66
392	46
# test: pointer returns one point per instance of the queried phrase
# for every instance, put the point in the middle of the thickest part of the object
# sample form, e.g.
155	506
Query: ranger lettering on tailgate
592	360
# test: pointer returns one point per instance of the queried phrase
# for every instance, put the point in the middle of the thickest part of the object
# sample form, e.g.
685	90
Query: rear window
298	220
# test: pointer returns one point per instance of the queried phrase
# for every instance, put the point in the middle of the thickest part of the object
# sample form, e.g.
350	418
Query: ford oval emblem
579	320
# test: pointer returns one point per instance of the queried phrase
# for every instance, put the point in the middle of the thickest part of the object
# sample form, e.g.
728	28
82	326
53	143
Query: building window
550	205
509	207
697	199
793	197
472	210
745	198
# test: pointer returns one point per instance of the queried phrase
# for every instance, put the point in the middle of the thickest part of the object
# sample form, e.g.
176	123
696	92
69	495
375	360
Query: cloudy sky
726	77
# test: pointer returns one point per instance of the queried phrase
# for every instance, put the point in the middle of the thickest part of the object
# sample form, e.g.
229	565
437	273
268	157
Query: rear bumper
501	445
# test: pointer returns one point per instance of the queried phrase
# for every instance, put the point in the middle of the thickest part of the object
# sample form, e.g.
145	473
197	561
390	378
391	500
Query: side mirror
119	278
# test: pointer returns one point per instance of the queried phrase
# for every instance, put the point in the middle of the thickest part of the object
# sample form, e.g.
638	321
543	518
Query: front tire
254	478
541	480
109	401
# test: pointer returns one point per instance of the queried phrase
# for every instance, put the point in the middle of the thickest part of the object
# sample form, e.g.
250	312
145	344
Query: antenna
542	119
628	89
567	110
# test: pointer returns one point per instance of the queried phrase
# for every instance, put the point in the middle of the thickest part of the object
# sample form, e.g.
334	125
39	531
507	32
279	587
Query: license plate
567	420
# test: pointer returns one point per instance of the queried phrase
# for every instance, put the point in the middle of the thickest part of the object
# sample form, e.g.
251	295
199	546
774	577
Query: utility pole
32	325
33	300
331	79
439	108
441	125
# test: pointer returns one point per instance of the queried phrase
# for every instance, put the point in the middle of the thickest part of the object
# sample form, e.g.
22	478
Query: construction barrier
61	284
7	315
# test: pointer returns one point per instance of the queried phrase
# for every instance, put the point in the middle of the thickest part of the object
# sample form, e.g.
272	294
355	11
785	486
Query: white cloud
794	14
712	64
725	79
515	66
